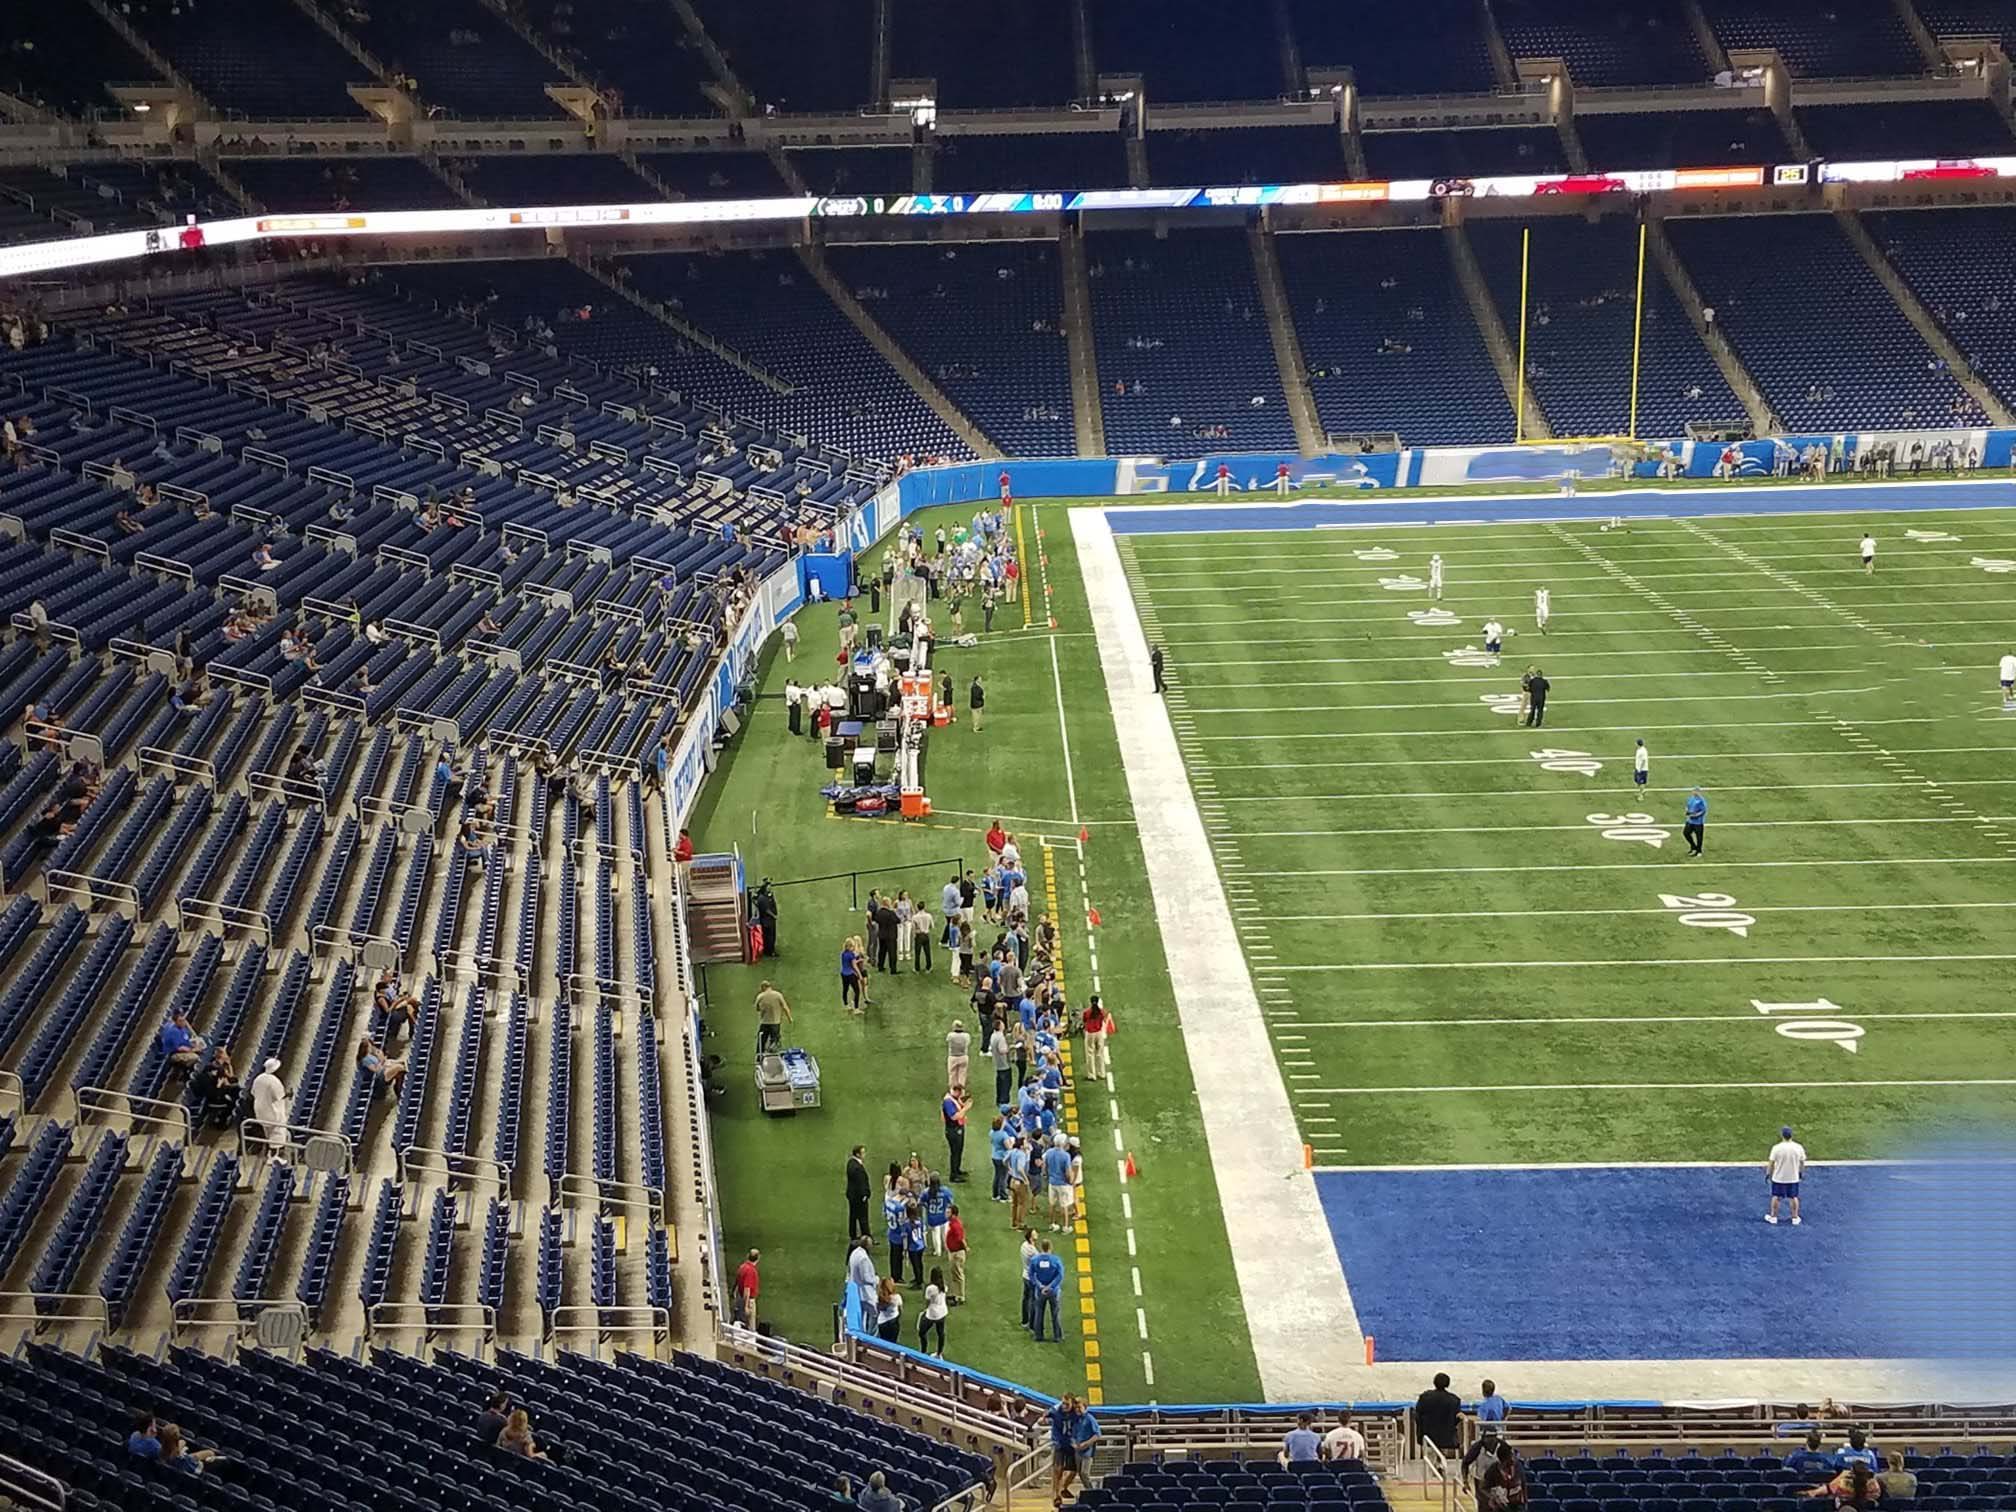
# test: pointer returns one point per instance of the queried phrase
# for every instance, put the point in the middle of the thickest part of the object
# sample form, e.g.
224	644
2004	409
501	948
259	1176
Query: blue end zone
1390	509
1676	1263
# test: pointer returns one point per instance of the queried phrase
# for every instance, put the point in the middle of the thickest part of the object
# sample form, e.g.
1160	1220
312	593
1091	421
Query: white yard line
1298	1306
1662	961
1279	711
1622	1019
1580	795
1613	1166
1548	732
1611	913
1582	828
1672	863
1842	1085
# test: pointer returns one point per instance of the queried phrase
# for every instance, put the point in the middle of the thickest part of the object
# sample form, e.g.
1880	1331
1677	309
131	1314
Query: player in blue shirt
1018	1183
1046	1275
937	1212
895	1203
1696	827
1812	1459
914	1234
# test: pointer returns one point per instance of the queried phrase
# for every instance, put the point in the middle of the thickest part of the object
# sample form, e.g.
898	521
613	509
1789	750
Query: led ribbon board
121	246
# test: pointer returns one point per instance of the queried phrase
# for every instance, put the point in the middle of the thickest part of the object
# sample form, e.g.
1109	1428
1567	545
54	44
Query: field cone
1053	622
1084	833
1132	1169
1092	917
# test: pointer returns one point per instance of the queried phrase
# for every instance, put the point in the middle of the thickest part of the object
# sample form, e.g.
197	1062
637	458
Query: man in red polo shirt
748	1282
955	1258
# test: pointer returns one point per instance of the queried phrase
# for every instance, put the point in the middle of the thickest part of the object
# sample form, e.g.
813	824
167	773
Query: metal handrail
94	890
255	1137
136	1110
186	1314
609	1193
24	1485
388	1317
197	913
659	1319
54	1309
419	1160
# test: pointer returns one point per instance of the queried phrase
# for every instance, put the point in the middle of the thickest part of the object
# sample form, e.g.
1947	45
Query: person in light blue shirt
1301	1446
1046	1276
1018	1183
1057	1180
1696	827
1491	1406
997	1151
1074	1436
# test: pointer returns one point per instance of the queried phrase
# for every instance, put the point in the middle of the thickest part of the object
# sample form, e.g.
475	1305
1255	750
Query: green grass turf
1425	907
781	1178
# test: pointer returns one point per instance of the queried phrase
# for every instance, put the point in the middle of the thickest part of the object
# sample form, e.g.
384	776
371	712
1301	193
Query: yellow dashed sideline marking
1088	1318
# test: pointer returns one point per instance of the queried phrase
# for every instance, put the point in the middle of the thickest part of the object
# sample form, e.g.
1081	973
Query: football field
1478	944
1436	1033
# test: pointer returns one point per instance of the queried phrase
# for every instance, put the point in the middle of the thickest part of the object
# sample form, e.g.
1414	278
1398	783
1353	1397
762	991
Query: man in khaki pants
955	1258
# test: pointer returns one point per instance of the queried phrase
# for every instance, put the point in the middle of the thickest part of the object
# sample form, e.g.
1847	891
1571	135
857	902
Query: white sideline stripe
1821	960
1626	1018
1628	1165
1672	864
1291	1281
1583	913
1777	1086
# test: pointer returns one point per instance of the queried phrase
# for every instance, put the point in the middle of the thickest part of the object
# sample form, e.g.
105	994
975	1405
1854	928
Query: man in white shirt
1435	576
1494	636
2007	672
1542	605
1344	1442
1787	1162
1868	553
1641	765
